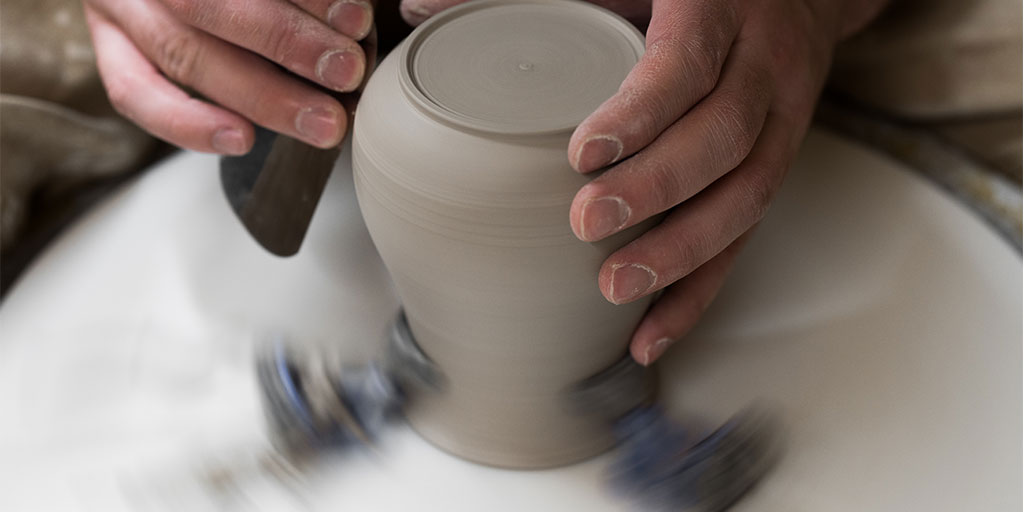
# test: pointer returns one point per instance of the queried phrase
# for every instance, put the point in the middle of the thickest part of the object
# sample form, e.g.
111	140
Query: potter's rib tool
312	405
275	203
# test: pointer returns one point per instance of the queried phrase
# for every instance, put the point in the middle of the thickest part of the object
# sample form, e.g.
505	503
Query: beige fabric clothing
936	59
950	66
57	129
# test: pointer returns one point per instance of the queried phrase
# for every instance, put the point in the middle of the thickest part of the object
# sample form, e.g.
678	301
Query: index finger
282	33
687	44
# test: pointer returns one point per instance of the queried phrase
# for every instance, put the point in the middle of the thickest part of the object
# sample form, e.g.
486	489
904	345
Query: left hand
703	128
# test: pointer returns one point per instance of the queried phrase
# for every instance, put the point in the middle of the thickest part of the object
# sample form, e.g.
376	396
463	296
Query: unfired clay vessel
459	154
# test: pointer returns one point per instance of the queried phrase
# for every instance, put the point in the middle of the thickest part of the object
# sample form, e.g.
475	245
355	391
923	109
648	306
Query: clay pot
459	154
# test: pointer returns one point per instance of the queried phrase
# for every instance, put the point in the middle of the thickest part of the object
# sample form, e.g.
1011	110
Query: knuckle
732	132
178	56
282	41
704	63
698	59
694	42
690	250
758	190
633	113
670	187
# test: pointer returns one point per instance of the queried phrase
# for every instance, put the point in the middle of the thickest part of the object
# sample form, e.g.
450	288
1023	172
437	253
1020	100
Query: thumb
415	12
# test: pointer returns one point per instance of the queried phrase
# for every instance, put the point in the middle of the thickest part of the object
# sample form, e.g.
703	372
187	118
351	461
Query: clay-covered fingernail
597	152
341	70
602	216
229	141
630	281
319	125
655	350
351	17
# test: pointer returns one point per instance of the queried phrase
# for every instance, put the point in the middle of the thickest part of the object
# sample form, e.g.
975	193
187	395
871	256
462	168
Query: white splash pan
881	317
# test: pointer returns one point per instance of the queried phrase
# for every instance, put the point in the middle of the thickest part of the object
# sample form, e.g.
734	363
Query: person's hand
703	128
245	56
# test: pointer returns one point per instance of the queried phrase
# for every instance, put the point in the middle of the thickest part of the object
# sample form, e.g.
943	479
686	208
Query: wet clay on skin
459	154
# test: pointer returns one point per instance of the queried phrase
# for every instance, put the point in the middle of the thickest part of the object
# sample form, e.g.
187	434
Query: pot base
585	412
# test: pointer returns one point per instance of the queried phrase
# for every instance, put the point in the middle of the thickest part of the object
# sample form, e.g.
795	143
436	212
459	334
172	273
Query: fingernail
319	126
597	152
655	350
602	216
229	141
351	17
341	70
630	281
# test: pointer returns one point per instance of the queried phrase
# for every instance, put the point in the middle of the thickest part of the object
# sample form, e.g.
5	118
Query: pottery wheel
522	67
881	318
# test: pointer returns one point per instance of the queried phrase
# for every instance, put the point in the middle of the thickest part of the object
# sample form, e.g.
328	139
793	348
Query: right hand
226	50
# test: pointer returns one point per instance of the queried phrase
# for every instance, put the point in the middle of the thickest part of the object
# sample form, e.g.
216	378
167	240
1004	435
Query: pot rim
422	100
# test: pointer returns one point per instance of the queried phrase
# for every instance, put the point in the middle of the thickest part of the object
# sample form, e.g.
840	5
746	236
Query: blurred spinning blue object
312	406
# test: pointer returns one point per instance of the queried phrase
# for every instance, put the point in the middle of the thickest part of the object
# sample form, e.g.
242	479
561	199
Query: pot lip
462	122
